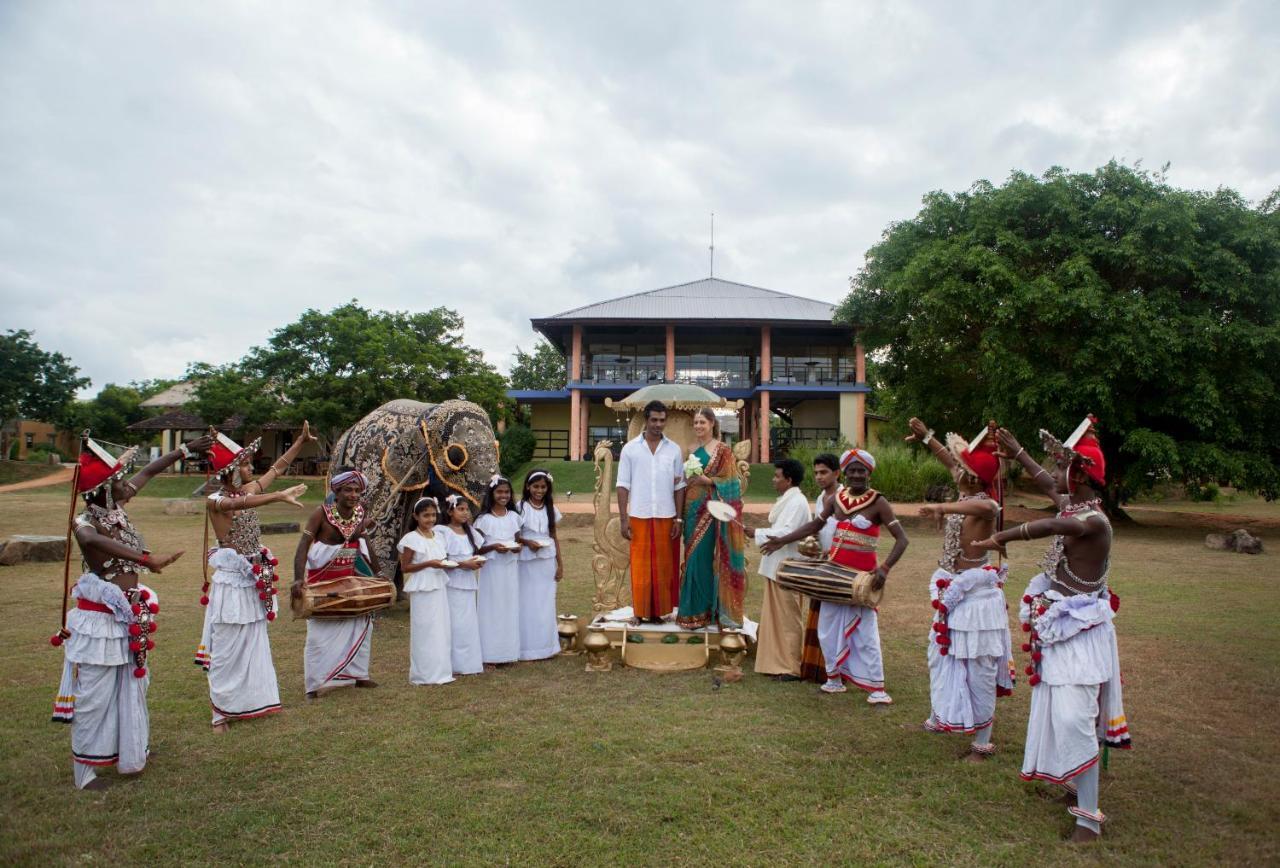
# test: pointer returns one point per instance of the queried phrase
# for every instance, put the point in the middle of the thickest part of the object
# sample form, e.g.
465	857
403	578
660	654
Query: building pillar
860	399
584	448
766	354
671	354
764	426
575	396
575	423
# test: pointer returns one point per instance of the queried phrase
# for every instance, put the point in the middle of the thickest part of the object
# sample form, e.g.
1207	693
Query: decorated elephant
409	449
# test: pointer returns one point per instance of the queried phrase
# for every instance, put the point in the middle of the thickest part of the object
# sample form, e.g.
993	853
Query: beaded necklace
1057	555
345	526
952	549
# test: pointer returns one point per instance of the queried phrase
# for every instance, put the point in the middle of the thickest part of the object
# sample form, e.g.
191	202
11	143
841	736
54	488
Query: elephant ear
461	448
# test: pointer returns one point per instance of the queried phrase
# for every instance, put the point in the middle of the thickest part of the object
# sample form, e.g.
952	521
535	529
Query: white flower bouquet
692	467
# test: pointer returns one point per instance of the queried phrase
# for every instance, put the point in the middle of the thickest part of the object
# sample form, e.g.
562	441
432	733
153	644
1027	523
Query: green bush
902	473
39	453
517	444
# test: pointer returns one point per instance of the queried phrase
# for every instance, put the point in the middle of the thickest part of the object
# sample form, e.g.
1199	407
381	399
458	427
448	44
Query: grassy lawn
545	763
21	471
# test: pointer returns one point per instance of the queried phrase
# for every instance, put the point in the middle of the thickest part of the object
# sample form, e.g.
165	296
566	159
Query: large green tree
34	383
334	367
544	368
1110	292
110	413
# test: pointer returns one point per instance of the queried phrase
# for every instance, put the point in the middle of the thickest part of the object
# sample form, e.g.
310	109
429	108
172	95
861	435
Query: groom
650	502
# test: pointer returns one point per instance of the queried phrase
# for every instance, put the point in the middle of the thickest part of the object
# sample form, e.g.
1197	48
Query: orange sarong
655	579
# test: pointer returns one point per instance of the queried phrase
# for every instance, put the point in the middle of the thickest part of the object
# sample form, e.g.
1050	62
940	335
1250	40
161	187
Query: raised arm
253	501
198	446
1041	477
264	481
924	434
1030	530
982	508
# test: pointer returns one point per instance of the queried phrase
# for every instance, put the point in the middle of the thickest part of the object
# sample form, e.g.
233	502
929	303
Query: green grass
21	471
545	763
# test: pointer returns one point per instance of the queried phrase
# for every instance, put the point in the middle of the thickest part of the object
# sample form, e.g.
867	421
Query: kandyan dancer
1066	614
333	546
969	649
106	637
240	597
850	635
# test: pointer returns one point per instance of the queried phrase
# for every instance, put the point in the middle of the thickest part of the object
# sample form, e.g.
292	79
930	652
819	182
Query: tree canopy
332	368
110	413
544	368
1109	292
34	383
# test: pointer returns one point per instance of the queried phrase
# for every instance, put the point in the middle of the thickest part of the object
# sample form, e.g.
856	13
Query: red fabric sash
90	606
340	566
858	554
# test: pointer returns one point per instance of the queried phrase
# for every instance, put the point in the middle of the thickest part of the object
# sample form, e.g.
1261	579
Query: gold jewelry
1025	530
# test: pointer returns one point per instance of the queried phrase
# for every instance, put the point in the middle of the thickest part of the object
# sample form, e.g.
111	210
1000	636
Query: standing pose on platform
462	545
333	546
106	637
781	635
422	560
1066	613
541	567
651	490
498	600
240	597
850	635
968	648
826	472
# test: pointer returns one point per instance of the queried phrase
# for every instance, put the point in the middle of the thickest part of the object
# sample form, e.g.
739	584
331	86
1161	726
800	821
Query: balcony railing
641	373
813	373
716	379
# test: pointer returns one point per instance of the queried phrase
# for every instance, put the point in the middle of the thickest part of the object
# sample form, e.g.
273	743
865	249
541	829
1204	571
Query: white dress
538	639
430	660
462	589
499	600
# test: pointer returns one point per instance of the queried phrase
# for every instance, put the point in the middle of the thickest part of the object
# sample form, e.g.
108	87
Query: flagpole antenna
713	244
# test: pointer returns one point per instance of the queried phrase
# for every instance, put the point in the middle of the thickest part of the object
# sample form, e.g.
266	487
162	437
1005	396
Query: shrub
902	473
517	445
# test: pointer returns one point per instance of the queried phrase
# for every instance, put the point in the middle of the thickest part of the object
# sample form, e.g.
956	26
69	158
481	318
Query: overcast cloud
178	179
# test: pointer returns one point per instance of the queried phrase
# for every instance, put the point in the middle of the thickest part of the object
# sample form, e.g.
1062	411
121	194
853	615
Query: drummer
781	622
850	635
333	546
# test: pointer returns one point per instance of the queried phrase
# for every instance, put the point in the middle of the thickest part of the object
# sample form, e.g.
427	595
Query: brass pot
567	631
810	547
597	646
732	648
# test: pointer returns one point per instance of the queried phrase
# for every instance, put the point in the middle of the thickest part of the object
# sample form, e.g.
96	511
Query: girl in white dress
499	600
462	546
422	556
540	567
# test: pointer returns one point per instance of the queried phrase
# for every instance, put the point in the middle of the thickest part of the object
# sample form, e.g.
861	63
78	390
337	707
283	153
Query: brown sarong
655	577
781	631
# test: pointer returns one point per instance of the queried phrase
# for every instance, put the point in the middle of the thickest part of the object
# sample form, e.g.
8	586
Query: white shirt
827	535
651	477
789	512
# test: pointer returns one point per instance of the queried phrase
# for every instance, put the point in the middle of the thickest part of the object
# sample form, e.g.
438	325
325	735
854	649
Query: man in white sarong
969	650
850	635
333	546
240	597
106	637
1066	613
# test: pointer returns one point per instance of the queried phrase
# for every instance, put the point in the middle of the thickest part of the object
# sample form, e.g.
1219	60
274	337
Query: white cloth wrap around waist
424	548
321	553
1077	638
977	617
97	638
233	590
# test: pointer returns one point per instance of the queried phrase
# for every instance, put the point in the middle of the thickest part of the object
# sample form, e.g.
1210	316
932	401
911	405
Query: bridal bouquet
692	467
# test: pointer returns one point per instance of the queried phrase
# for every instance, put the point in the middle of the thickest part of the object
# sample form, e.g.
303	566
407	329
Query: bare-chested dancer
103	694
1066	614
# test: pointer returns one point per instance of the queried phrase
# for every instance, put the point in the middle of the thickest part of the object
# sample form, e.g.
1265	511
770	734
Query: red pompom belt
90	606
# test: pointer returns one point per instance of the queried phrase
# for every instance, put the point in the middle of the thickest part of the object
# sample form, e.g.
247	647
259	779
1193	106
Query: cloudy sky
178	179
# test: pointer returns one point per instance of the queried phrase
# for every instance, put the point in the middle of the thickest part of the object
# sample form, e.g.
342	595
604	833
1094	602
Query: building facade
800	375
